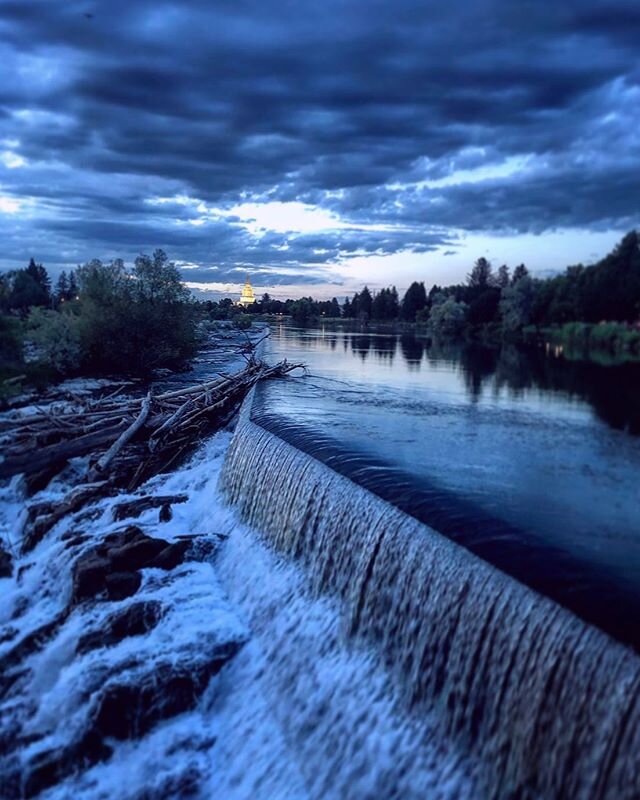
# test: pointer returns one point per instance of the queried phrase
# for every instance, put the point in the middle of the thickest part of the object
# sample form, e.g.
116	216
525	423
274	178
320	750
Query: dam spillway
548	704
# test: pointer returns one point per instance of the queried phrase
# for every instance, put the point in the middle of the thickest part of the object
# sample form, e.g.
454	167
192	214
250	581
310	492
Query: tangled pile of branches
127	440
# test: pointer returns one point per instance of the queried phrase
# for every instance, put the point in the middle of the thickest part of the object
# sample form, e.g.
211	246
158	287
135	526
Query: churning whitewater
285	633
222	675
543	704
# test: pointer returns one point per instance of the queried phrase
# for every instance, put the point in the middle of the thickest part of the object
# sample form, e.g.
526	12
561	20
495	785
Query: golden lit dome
247	297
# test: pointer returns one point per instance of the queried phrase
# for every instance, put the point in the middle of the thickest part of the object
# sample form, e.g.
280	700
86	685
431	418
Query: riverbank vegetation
100	319
103	318
594	307
587	310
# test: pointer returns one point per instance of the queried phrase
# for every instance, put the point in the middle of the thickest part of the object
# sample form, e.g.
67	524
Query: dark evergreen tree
39	274
365	302
26	291
503	278
378	304
385	306
481	276
62	288
518	273
415	300
73	286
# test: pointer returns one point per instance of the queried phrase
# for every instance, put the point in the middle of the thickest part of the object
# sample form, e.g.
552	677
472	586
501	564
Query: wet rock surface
112	624
133	620
111	569
11	660
137	506
6	563
99	650
122	710
127	710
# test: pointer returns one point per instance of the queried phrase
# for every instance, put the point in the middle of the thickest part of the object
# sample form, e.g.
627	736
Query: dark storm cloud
349	105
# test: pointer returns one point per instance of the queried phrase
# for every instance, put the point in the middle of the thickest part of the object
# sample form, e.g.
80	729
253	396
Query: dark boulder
35	640
128	710
134	620
136	554
124	710
120	585
75	541
203	546
89	576
169	557
135	507
111	568
51	766
7	633
6	563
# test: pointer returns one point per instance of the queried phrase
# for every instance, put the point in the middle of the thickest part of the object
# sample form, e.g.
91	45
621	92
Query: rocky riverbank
146	659
107	629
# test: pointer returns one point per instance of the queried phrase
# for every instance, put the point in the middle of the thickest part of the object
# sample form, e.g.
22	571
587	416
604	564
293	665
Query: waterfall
546	702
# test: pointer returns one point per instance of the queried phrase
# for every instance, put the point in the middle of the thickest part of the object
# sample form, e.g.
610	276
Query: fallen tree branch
103	462
143	436
173	419
31	460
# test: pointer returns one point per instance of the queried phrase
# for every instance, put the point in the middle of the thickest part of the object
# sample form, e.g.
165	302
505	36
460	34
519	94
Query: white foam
296	713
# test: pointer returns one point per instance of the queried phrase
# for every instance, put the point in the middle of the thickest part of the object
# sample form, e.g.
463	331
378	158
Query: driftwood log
133	508
126	440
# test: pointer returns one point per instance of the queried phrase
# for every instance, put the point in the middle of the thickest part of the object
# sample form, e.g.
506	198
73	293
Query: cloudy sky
318	145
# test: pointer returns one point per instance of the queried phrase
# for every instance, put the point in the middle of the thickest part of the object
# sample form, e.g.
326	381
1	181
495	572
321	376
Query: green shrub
242	322
11	342
606	340
134	322
448	318
56	335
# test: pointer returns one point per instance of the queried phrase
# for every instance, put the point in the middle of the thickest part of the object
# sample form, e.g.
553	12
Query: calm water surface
527	459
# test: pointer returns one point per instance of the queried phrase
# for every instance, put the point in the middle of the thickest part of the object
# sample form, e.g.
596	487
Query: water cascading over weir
548	704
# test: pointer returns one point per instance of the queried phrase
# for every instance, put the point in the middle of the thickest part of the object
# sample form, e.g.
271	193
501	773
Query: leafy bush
583	339
242	322
121	322
134	322
57	339
10	342
448	318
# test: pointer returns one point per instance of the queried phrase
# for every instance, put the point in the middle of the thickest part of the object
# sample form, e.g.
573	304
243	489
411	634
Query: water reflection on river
531	460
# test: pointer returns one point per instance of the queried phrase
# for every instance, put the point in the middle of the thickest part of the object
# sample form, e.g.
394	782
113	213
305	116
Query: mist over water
526	458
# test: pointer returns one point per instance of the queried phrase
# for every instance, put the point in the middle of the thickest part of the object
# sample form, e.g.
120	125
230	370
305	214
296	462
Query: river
526	458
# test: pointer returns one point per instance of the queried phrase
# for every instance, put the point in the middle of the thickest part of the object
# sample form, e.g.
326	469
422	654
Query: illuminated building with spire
247	298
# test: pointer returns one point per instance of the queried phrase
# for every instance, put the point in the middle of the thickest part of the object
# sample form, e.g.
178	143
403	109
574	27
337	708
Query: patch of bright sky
12	160
543	254
274	216
191	265
261	285
9	205
285	217
503	169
